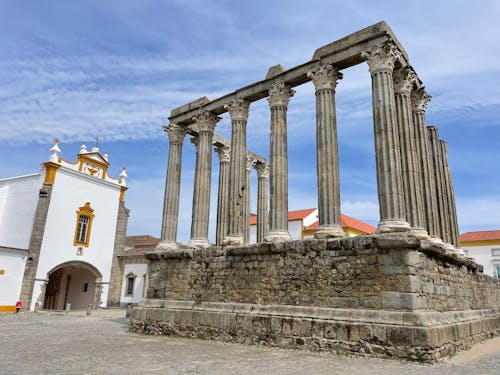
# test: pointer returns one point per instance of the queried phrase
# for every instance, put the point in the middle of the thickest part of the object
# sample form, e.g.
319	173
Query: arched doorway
77	283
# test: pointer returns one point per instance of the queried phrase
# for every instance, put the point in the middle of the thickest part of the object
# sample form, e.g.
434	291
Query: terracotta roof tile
348	222
292	215
141	241
485	235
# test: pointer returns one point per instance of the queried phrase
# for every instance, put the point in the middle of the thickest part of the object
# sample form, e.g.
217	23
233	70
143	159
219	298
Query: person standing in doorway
18	306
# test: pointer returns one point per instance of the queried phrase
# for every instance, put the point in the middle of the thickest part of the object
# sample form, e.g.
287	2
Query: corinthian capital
325	77
205	122
238	109
280	94
381	57
250	163
224	153
419	99
176	133
403	80
262	170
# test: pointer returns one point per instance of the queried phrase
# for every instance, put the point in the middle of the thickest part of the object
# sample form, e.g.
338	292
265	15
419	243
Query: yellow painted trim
479	243
123	189
101	164
50	172
354	231
86	210
7	309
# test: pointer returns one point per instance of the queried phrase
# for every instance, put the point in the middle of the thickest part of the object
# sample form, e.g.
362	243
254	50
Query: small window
84	217
129	290
495	252
86	287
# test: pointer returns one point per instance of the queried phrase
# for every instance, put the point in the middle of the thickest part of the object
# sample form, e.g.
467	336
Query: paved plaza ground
101	344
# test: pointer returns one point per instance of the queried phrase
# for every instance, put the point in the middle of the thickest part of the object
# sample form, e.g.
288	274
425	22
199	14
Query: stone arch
54	282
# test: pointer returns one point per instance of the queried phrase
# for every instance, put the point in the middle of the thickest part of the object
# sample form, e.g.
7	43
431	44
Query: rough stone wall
115	285
35	244
367	272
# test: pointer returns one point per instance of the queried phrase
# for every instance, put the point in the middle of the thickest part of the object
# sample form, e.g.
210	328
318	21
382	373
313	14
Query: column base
389	226
277	236
420	233
329	231
234	241
436	241
199	243
167	246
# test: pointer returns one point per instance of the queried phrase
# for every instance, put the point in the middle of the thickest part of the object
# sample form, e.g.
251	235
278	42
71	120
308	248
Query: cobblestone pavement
100	344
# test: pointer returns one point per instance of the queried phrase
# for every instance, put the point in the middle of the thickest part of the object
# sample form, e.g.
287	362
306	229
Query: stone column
246	202
263	183
205	125
419	99
410	164
438	178
450	194
170	217
381	61
238	110
279	96
223	196
325	79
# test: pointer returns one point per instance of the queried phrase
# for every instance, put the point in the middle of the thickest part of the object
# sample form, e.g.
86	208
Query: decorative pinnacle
54	158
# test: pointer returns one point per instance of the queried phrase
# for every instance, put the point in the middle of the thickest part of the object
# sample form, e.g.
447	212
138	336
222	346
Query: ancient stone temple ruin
408	291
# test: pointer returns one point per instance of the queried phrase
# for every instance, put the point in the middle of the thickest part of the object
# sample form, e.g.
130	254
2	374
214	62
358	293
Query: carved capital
262	170
224	154
250	163
205	122
419	100
403	80
381	57
238	109
176	133
325	77
280	94
195	140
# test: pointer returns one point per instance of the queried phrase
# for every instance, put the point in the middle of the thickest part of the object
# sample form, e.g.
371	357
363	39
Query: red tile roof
345	221
485	235
292	215
141	241
348	222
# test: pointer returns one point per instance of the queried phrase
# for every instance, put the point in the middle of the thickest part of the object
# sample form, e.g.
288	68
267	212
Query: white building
59	231
484	247
302	224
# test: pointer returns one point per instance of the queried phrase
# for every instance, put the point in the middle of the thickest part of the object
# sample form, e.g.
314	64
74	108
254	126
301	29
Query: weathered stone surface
402	300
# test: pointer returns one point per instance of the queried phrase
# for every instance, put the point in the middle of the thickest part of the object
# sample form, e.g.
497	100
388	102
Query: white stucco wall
139	270
483	255
12	262
295	229
18	201
72	190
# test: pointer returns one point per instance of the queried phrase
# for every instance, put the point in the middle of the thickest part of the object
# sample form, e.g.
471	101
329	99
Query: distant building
302	224
59	231
484	247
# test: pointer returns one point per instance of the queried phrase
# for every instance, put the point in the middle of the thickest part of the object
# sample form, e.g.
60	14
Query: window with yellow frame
84	217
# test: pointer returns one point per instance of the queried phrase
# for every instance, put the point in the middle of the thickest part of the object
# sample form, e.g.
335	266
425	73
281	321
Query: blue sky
77	69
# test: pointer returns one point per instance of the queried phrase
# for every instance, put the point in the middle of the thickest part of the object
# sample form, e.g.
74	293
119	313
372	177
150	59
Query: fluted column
325	79
205	125
238	110
246	202
420	98
170	216
263	183
410	164
438	179
450	195
381	61
223	194
279	96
